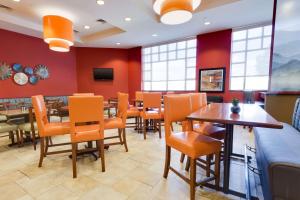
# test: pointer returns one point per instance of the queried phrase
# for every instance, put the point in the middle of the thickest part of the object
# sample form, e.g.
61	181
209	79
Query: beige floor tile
11	191
104	193
57	193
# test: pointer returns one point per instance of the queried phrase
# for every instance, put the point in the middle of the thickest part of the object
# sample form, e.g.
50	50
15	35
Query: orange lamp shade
58	32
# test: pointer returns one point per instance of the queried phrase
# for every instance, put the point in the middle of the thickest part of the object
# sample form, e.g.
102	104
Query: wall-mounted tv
103	74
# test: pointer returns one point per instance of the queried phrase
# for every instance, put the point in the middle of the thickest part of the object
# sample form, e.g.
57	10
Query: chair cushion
151	115
296	115
207	128
133	112
52	129
87	133
112	123
27	127
4	127
3	118
193	144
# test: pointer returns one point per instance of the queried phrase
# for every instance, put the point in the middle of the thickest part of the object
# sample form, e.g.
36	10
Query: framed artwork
212	80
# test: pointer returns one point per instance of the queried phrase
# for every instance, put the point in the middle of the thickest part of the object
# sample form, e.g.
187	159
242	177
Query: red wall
89	58
213	51
134	71
30	51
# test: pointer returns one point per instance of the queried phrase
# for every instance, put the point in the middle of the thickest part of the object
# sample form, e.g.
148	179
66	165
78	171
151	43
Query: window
250	58
170	67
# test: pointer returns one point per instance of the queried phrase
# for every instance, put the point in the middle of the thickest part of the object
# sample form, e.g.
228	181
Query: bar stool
190	143
47	129
87	124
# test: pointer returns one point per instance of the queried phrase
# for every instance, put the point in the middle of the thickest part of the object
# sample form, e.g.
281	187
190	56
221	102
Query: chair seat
151	115
193	144
87	133
3	118
207	128
27	126
112	123
5	127
133	112
52	129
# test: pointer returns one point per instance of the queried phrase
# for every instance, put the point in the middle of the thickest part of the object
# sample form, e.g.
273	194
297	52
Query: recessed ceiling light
127	19
100	2
206	23
87	27
17	0
118	43
154	35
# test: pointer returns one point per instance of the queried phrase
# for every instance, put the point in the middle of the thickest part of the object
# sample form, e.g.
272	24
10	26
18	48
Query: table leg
227	154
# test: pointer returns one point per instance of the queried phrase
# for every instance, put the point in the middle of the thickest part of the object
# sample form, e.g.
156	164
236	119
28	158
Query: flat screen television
103	74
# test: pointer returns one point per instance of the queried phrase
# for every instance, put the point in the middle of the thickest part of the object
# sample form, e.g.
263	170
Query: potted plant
235	108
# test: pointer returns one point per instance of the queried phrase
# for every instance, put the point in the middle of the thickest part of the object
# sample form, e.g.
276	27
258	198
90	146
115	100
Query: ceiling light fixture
16	0
100	2
87	27
118	43
127	19
154	35
206	23
173	12
58	33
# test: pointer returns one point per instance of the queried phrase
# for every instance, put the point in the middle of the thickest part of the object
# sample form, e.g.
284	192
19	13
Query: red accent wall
213	51
89	58
30	51
134	71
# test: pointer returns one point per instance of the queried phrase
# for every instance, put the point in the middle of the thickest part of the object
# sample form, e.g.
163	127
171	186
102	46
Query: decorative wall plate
41	71
5	71
28	70
17	67
21	78
33	79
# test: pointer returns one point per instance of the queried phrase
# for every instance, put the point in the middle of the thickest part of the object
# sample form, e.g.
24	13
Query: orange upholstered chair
87	124
119	122
83	94
46	129
191	143
152	111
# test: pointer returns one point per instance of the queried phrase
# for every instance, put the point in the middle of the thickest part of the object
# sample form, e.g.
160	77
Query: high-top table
250	115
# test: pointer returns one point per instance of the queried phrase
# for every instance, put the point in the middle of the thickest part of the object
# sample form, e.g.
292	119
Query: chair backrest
83	94
86	109
152	100
296	115
198	100
40	112
203	101
177	108
139	95
122	106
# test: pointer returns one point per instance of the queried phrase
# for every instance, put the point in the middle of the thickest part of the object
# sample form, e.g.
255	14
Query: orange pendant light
173	12
58	33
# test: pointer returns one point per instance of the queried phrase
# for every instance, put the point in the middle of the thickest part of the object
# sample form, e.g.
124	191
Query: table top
250	115
13	113
106	106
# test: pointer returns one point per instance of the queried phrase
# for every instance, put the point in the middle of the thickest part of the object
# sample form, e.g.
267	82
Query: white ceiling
26	17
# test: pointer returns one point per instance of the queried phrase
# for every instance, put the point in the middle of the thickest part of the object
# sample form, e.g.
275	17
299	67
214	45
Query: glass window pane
254	44
267	42
176	70
181	45
191	62
154	49
172	55
239	46
147	50
147	66
258	62
147	58
163	48
154	57
236	83
257	83
191	53
147	85
147	76
191	85
268	30
239	35
191	73
159	86
159	71
172	47
181	54
238	57
255	32
192	43
238	69
176	85
163	56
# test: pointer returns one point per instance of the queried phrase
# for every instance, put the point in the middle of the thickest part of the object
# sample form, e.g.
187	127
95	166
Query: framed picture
212	80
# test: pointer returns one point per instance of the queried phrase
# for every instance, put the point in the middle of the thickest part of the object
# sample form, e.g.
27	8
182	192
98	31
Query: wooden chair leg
124	139
74	158
42	151
188	163
192	179
120	135
217	170
12	137
50	139
101	154
21	138
208	165
159	128
18	137
167	161
33	139
46	146
182	157
144	129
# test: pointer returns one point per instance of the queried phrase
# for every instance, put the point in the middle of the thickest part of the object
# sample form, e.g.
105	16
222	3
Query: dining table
249	115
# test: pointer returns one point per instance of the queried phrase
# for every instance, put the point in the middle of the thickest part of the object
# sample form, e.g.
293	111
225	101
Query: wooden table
14	113
250	115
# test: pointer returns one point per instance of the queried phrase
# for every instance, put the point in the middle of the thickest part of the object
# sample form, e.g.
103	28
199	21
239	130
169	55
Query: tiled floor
133	175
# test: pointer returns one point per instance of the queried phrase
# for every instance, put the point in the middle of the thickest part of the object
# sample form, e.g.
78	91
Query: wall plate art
33	80
28	70
5	71
17	67
21	78
41	71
